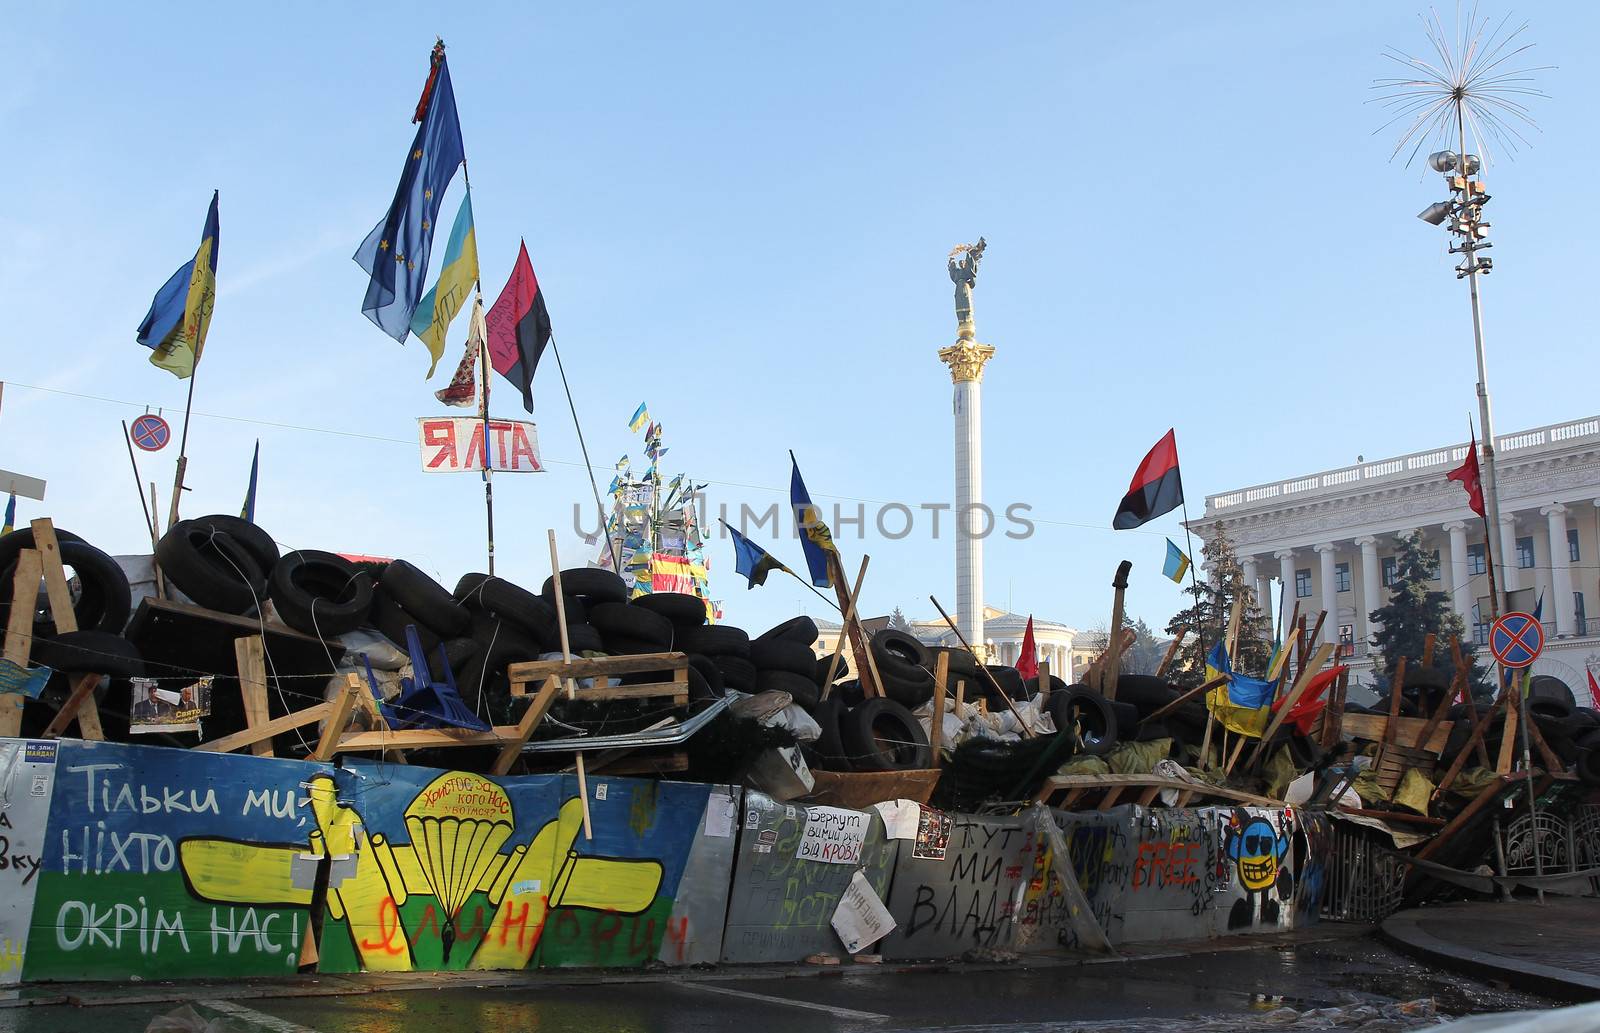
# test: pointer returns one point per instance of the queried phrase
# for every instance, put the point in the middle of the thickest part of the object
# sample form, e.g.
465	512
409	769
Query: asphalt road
1213	993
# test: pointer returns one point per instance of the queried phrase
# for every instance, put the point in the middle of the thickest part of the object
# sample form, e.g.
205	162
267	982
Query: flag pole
183	446
1194	579
600	509
1488	541
483	360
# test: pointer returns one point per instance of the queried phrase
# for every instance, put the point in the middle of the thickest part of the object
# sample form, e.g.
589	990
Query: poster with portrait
166	708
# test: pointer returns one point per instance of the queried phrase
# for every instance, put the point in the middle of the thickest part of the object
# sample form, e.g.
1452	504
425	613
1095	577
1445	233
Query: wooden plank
1333	715
1396	692
277	726
1508	738
589	667
19	633
1148	796
639	762
1410	730
65	620
1113	656
83	686
1491	792
1476	738
1457	683
1108	801
55	576
1198	690
1085	783
572	686
1073	796
338	720
941	675
838	643
250	655
418	738
1172	651
523	730
1230	643
650	690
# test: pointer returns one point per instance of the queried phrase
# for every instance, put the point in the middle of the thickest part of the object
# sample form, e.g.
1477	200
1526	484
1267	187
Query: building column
1510	574
1286	573
1461	594
1248	565
1371	586
1330	594
1560	569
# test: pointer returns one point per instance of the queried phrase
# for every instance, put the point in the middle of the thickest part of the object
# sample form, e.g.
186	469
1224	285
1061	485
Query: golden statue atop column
966	357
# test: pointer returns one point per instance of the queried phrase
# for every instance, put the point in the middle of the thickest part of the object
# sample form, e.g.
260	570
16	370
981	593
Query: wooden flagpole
183	446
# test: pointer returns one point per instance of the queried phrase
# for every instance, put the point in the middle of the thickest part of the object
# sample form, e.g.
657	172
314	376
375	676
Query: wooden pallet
861	789
1103	792
604	670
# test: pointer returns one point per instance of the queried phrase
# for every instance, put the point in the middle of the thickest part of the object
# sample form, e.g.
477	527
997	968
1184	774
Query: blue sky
740	213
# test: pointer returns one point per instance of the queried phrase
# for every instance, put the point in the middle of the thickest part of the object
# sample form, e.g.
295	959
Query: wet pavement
1350	984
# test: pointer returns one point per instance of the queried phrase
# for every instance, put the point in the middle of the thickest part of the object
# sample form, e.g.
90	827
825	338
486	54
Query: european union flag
395	253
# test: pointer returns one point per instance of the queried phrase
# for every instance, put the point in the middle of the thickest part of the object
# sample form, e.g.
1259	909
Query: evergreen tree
1206	620
1146	653
1412	612
897	621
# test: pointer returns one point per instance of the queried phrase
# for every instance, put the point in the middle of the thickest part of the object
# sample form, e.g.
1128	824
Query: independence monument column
965	359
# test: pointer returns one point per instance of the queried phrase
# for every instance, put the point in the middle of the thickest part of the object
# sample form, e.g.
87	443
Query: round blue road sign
150	432
1516	640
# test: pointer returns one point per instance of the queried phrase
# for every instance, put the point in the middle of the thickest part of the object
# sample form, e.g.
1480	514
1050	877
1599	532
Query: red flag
1594	692
1028	655
519	328
1467	474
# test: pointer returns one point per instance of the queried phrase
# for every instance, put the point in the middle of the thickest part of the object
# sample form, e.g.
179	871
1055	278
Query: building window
1433	567
1525	553
1341	577
1577	610
1475	562
1573	552
1302	583
1347	639
1480	630
1389	572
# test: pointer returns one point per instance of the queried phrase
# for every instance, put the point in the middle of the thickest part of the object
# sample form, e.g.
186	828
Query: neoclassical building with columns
1330	538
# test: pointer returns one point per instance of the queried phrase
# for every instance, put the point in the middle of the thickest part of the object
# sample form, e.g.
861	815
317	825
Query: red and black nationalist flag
519	328
1467	474
1157	487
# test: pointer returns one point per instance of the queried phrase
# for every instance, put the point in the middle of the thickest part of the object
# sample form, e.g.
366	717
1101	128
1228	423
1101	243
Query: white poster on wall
861	919
833	835
27	778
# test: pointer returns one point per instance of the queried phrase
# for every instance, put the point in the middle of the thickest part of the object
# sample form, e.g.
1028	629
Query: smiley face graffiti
1258	849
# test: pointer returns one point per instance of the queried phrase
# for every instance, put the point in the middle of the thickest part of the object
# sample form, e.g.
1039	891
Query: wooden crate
604	670
861	789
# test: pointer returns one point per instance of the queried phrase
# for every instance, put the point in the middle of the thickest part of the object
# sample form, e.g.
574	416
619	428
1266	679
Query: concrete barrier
133	861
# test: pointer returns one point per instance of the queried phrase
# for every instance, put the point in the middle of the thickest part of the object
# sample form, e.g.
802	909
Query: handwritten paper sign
454	444
833	835
861	919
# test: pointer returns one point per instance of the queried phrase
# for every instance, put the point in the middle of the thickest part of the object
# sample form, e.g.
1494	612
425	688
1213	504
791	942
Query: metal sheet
780	906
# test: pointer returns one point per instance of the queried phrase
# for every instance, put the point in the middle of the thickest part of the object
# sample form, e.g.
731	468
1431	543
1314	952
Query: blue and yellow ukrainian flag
456	277
1177	563
248	511
816	541
11	515
1243	705
640	417
175	327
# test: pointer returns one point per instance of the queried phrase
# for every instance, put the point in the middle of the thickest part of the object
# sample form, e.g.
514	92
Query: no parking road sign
1516	640
150	432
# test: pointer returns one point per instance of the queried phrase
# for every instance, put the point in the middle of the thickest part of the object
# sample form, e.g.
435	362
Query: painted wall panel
781	905
27	776
164	863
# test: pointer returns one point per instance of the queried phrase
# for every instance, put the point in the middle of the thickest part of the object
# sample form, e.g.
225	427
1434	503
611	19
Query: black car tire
1081	705
592	583
678	607
250	536
737	672
626	621
882	735
782	655
391	621
104	600
320	593
211	568
801	689
89	652
796	629
425	599
715	640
